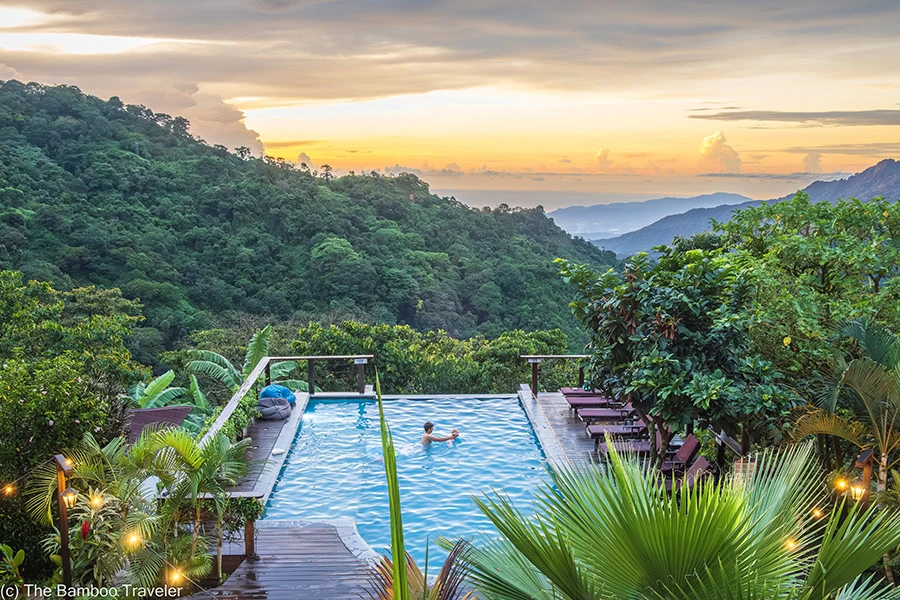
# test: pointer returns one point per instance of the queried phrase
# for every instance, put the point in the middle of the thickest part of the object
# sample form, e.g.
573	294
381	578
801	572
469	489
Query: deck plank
296	563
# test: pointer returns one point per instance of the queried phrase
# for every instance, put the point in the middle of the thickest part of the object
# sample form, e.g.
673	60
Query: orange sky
608	99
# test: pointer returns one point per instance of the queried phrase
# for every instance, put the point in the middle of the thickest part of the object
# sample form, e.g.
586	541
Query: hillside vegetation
97	192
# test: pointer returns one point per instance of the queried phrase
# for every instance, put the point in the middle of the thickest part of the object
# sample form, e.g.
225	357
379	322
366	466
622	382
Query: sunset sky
554	102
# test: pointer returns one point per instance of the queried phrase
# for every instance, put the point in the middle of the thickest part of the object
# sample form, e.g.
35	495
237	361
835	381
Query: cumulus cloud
602	158
812	162
716	156
564	160
7	73
305	159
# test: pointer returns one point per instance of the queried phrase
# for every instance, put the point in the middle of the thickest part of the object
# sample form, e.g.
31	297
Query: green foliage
400	579
95	192
814	266
10	561
673	337
410	362
616	533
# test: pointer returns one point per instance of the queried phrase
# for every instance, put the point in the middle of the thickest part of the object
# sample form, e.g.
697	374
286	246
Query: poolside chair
689	449
590	415
700	468
598	432
638	447
589	402
576	391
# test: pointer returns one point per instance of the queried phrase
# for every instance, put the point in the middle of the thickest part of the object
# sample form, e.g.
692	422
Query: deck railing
535	360
264	366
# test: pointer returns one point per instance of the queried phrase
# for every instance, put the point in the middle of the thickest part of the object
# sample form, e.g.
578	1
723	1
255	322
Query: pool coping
265	483
553	451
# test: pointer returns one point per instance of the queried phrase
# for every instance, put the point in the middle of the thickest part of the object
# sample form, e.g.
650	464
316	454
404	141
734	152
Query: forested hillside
97	192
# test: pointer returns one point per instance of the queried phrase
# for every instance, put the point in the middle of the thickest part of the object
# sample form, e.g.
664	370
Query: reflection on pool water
335	467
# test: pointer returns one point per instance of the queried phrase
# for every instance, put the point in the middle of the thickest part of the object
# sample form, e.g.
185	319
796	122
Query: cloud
564	160
877	149
812	162
807	177
717	156
304	158
602	158
7	73
292	143
884	117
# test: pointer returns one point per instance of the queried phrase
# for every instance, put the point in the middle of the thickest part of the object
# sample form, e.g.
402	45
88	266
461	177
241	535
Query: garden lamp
67	497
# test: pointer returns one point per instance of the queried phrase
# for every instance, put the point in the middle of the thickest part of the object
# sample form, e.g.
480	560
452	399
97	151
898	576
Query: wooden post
268	372
361	380
581	376
864	460
534	376
250	538
311	375
61	469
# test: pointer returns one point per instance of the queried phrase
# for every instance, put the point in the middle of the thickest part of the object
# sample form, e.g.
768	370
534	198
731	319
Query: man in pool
430	437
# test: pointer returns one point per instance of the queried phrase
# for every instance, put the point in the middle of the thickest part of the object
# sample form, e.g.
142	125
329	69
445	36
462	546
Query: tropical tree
221	369
673	338
870	387
615	533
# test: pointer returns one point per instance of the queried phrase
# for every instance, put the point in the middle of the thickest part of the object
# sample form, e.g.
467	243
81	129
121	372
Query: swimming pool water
335	467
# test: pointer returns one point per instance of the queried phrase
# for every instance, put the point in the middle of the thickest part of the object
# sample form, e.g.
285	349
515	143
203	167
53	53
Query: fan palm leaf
817	422
879	344
616	533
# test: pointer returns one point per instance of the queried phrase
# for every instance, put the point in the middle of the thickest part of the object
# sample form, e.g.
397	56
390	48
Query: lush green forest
97	192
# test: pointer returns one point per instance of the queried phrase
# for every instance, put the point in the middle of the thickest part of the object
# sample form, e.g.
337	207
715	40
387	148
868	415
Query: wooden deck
296	563
567	427
263	435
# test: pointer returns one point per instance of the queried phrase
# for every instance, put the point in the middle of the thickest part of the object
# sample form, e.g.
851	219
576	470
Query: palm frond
819	422
880	344
256	349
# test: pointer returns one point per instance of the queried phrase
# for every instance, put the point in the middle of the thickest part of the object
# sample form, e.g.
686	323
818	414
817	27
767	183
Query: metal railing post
361	369
581	376
311	375
268	372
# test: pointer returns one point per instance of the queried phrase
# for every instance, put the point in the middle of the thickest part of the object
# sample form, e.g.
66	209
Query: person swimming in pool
429	436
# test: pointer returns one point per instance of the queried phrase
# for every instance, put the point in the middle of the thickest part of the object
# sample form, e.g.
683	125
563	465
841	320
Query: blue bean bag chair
278	391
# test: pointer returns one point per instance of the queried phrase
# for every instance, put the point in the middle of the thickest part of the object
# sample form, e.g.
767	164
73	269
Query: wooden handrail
264	366
232	405
535	360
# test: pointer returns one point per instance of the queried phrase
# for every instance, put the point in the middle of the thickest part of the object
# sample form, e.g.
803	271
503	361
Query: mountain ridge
597	220
881	179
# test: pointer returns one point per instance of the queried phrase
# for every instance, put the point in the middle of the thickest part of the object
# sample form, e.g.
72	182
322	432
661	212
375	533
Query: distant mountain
882	179
609	220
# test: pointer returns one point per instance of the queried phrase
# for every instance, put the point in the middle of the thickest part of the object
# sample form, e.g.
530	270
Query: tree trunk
196	537
882	486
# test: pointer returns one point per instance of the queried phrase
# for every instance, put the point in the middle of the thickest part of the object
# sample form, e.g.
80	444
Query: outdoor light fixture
133	539
857	490
840	485
9	489
790	545
817	513
66	496
69	496
96	500
864	461
175	577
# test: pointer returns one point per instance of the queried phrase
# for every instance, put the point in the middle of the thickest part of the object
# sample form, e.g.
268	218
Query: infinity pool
335	467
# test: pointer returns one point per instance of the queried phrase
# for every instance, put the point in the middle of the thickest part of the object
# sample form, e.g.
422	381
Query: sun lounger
575	391
685	455
589	402
639	447
698	469
590	415
598	432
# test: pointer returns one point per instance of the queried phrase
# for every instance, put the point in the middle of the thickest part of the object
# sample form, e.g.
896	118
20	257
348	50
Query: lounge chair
598	432
698	469
589	402
685	454
590	415
576	391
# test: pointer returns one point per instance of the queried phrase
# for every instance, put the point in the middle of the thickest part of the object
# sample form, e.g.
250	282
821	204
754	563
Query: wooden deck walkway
567	427
296	563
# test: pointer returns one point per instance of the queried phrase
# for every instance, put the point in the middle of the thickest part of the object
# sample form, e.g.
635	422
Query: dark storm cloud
832	117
